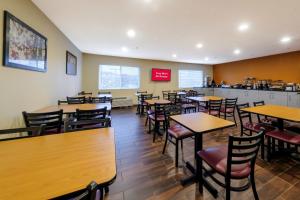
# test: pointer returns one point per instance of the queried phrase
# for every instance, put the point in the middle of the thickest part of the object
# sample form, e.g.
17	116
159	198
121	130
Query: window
190	78
118	77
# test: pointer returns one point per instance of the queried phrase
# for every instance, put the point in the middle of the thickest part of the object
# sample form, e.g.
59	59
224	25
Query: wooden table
276	111
204	99
49	166
200	123
157	101
71	108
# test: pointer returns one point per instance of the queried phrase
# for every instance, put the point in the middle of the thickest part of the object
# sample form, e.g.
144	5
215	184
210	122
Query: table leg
197	173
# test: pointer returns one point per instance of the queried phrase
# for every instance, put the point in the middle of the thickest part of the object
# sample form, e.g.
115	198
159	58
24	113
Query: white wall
91	64
23	90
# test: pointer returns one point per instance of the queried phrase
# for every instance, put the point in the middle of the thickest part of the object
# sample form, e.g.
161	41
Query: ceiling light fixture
285	39
243	27
237	52
174	55
199	45
206	58
124	49
131	33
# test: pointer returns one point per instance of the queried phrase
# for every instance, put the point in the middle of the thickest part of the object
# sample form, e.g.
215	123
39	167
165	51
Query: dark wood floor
144	173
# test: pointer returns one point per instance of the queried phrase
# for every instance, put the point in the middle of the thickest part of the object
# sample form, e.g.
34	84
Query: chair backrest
99	100
173	109
52	120
92	192
76	100
243	150
141	92
104	92
214	105
144	97
242	114
91	114
172	96
72	125
191	93
159	110
259	103
155	97
85	93
165	93
59	102
31	132
230	103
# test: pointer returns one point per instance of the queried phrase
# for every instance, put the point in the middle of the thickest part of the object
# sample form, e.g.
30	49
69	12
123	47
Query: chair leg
252	179
149	131
269	149
233	115
146	121
181	144
176	154
106	189
154	136
262	153
227	183
166	141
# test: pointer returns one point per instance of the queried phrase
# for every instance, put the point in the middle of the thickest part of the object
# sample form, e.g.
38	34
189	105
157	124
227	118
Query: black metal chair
31	132
249	125
76	100
235	161
85	93
99	100
214	107
52	120
59	102
175	132
85	115
165	94
72	125
104	92
141	102
172	96
159	116
228	110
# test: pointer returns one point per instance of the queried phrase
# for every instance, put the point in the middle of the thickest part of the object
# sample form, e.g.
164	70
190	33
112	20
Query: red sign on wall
161	74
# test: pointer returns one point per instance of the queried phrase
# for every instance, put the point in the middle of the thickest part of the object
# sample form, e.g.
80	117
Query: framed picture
24	47
71	65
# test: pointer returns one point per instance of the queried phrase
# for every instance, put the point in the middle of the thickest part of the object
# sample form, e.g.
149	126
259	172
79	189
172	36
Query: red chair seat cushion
284	136
216	158
159	117
212	112
179	132
257	127
228	110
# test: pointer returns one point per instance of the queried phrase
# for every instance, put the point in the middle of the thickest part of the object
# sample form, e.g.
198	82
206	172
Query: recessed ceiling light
124	49
206	58
237	52
243	27
285	39
199	45
174	55
131	33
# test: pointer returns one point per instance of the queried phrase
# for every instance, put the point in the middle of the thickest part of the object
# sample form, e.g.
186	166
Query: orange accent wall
284	67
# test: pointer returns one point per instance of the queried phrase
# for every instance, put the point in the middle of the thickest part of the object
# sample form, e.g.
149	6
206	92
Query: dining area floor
143	172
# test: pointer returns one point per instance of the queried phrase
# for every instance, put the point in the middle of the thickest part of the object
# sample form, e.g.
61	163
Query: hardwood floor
144	173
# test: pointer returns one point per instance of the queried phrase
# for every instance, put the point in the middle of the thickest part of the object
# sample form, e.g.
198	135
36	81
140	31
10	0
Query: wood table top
201	122
205	98
276	111
157	101
71	108
49	166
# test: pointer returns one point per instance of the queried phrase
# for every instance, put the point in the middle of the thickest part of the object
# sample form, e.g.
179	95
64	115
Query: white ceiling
166	27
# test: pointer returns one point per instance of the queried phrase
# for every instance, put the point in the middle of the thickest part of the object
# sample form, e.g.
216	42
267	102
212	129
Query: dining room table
200	123
279	112
71	108
50	166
